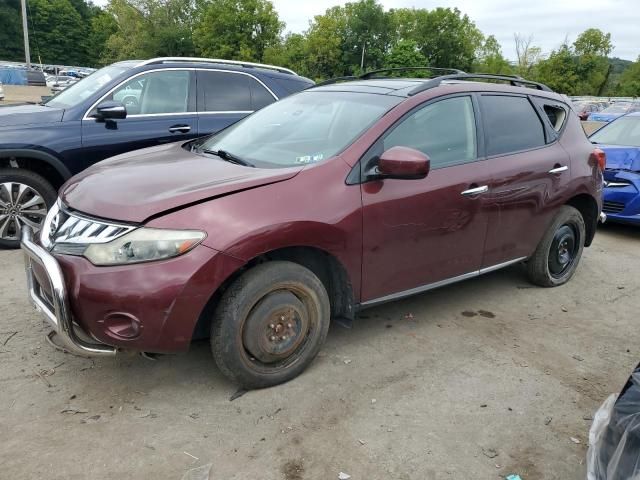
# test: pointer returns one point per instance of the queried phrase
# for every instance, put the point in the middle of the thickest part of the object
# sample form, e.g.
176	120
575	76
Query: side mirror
403	163
111	110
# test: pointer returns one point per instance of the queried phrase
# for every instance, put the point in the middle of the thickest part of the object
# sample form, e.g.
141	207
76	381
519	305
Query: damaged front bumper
55	306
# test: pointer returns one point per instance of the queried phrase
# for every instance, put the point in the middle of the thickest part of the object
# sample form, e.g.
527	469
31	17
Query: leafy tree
239	29
490	59
593	42
405	53
366	35
291	53
11	47
325	44
59	33
629	84
528	55
103	25
447	38
558	71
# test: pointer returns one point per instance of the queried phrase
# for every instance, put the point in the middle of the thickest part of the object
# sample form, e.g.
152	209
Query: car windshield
625	132
617	108
86	87
305	128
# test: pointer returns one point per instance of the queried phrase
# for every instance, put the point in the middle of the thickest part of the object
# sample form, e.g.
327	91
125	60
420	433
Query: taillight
599	156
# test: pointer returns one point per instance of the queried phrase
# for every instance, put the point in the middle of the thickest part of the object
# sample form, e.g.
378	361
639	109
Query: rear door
529	168
160	109
224	97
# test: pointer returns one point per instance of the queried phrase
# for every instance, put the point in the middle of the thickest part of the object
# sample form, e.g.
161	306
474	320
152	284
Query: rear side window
510	124
230	92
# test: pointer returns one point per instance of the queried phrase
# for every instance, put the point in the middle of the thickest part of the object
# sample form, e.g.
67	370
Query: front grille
64	227
612	207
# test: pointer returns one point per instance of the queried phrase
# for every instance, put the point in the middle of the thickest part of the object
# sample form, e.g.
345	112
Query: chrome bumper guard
55	309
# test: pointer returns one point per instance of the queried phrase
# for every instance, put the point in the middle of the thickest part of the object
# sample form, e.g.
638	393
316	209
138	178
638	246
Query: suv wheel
25	198
270	324
558	254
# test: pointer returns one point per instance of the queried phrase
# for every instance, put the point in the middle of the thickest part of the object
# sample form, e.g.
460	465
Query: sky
548	21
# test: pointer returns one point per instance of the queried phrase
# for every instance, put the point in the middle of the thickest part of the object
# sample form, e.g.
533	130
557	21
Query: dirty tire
275	300
36	182
558	254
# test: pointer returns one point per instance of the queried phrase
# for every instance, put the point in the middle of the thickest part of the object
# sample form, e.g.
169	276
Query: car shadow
620	230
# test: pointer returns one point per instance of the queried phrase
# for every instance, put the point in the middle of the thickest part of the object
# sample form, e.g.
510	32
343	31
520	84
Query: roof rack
369	75
153	61
514	80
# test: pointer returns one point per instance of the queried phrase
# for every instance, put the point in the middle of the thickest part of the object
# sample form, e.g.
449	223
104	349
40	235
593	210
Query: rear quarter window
510	124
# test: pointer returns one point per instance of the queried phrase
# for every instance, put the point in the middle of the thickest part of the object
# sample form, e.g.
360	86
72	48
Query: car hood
138	185
622	158
27	114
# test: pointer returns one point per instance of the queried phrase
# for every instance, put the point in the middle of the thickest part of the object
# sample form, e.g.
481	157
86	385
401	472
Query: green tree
593	42
11	47
103	25
490	59
325	44
629	84
59	33
558	71
405	53
447	38
366	35
291	53
239	29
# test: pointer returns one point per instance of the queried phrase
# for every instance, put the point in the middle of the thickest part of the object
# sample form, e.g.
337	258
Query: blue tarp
13	76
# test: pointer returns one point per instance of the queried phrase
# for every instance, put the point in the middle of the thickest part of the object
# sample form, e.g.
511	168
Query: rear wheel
25	198
558	254
270	324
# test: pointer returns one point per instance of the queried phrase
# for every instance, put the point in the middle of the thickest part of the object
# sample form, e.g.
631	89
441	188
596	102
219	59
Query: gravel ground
477	380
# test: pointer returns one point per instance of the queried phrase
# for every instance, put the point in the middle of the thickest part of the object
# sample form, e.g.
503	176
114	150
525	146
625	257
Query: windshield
86	87
625	131
617	108
305	128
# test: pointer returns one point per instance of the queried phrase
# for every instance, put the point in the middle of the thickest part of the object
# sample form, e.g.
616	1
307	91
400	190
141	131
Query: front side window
445	131
155	93
231	92
510	124
308	127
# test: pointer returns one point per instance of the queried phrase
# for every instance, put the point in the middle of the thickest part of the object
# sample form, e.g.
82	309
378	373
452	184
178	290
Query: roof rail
369	75
512	79
153	61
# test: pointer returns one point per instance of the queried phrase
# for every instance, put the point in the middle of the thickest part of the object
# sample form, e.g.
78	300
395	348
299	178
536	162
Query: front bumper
55	306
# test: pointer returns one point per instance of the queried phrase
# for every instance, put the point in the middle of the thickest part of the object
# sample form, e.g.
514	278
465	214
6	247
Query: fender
54	162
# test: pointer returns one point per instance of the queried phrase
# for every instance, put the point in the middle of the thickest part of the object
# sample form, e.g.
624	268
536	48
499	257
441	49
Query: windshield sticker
316	157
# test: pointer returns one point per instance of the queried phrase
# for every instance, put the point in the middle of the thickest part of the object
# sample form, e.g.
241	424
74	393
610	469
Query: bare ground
427	388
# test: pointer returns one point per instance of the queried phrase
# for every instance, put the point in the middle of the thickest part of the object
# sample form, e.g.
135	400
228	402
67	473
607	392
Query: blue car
614	111
119	108
620	140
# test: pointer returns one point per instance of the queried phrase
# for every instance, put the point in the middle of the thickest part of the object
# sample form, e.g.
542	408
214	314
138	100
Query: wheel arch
588	208
331	272
37	161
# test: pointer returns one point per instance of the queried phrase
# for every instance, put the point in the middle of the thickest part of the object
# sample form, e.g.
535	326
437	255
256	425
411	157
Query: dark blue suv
122	107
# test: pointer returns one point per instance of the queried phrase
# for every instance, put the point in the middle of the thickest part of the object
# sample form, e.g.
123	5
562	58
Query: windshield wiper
229	157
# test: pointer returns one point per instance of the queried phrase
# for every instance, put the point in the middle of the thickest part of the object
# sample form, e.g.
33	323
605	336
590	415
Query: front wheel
270	324
25	198
558	254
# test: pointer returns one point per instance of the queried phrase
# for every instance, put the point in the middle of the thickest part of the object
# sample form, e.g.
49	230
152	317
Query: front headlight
144	245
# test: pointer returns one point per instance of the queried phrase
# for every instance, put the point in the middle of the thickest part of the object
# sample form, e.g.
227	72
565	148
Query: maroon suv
332	200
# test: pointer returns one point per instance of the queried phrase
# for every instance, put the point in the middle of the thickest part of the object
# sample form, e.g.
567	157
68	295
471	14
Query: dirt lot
427	388
19	93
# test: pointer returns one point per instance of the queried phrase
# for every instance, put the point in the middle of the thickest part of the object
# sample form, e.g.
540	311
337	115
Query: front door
160	109
420	232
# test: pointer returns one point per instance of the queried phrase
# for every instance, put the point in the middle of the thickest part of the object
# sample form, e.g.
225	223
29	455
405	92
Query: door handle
558	169
180	128
475	191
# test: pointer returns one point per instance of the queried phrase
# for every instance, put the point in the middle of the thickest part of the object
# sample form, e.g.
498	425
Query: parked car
35	78
614	111
42	146
584	108
620	140
335	199
58	83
